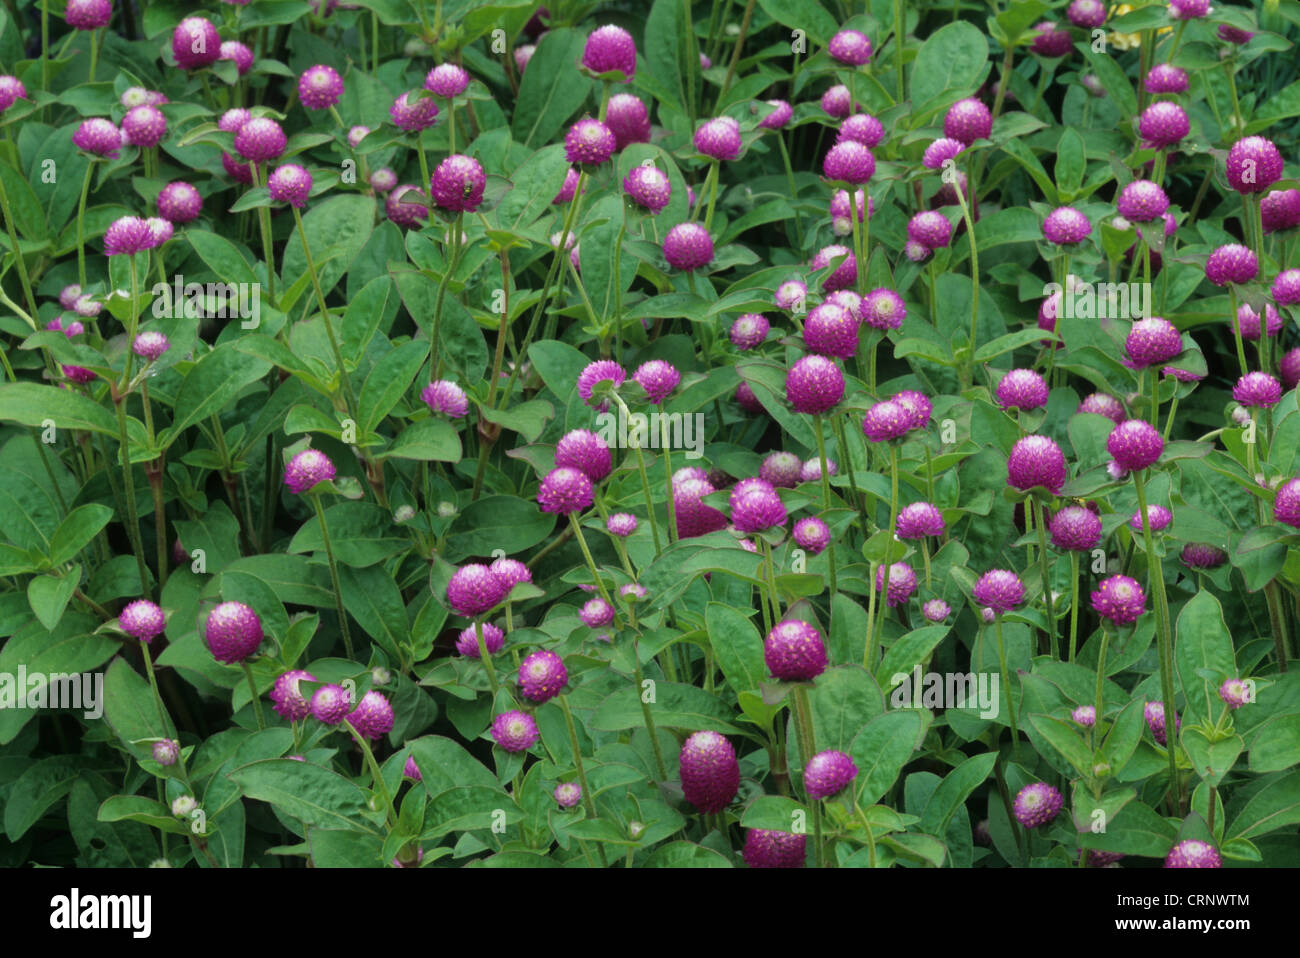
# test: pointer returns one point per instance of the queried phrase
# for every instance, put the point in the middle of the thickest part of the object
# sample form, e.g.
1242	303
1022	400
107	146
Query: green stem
1044	572
153	684
334	574
1101	676
893	527
375	775
268	248
1074	602
1006	683
252	692
81	216
826	505
588	803
646	714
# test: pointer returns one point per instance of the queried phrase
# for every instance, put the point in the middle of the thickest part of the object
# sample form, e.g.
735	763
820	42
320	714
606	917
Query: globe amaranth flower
835	102
1158	517
523	54
1066	226
1253	165
589	142
88	14
1163	124
1022	389
940	152
596	612
757	507
1135	444
233	631
648	186
851	47
447	80
373	716
1119	600
831	330
1235	35
710	772
179	202
127	235
1286	504
918	520
1165	78
515	731
1151	342
1154	713
842	210
865	129
384	180
474	588
999	590
883	309
413	113
1050	41
306	469
1037	804
567	794
886	420
968	120
98	136
781	469
749	330
1257	390
142	619
1193	853
1231	263
936	610
621	524
902	582
610	49
1075	528
694	518
330	704
458	184
602	370
1142	201
1101	404
1085	715
765	848
467	640
166	751
1202	555
149	345
144	126
1188	9
782	113
814	384
11	90
1251	325
849	162
658	378
585	451
812	534
78	374
1036	461
931	229
542	676
1088	14
290	184
238	53
446	397
1280	210
794	651
260	139
844	275
811	471
511	572
719	138
791	296
629	118
195	43
688	246
828	773
917	406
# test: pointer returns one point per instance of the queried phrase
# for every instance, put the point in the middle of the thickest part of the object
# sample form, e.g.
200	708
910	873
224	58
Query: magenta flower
142	619
444	396
609	49
127	235
373	716
694	518
648	186
719	138
413	113
835	102
320	87
865	129
290	184
1101	404
756	507
1085	715
1188	9
658	378
710	772
458	184
98	136
567	794
940	152
1286	287
919	520
930	229
589	141
794	651
467	641
447	80
260	139
849	162
602	370
765	848
936	610
232	632
1088	14
968	120
515	731
884	309
831	330
1135	444
792	295
179	202
781	469
1119	600
585	451
1154	713
902	583
1235	693
1201	555
542	676
688	246
782	114
473	589
596	612
88	14
1051	41
1036	461
239	54
306	469
144	126
287	698
1252	326
812	534
621	524
1280	210
999	590
749	330
1257	390
150	345
1037	804
828	773
195	43
844	275
1075	528
1022	389
629	118
1142	201
1066	226
1192	853
1232	263
1151	342
886	420
1163	124
1253	165
1165	78
850	47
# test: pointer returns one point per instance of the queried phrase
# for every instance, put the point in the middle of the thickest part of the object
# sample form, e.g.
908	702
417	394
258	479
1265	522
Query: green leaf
28	214
216	533
682	854
211	386
365	312
1276	745
843	700
429	440
950	63
307	792
881	750
1276	805
445	764
75	532
1135	830
130	709
535	184
336	229
1071	161
49	595
147	811
361	534
36	791
1062	737
737	646
222	257
551	94
374	601
1212	760
807	15
32	404
389	379
906	652
498	522
776	813
675	706
954	790
529	419
1203	642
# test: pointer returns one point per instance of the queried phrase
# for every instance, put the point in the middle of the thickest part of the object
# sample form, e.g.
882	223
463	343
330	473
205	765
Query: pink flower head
917	406
407	206
844	275
128	235
320	87
1280	210
849	162
1231	263
883	309
938	153
473	589
88	14
179	202
1051	41
1036	461
1022	389
1151	342
290	184
1202	555
1154	713
596	613
458	184
828	773
195	43
542	676
918	520
142	619
688	246
812	534
1163	124
1158	518
1257	390
1088	14
1135	444
765	848
286	696
1193	853
238	53
150	345
413	113
585	451
602	370
98	136
709	770
1289	368
886	420
306	469
1101	404
1142	201
1286	287
467	641
1075	528
444	396
1066	226
694	518
862	128
794	651
719	138
610	49
1254	164
515	731
749	330
756	507
447	80
232	121
968	120
831	330
1037	804
835	101
1188	9
629	118
260	139
565	490
383	180
373	716
781	469
814	384
902	582
144	126
779	117
1165	78
850	47
11	90
1119	600
589	141
658	378
999	590
930	229
232	632
1251	325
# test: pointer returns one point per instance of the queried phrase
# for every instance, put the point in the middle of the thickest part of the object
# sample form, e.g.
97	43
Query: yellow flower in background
1127	41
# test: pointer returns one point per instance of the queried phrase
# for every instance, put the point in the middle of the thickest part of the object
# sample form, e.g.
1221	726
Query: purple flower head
1075	528
1085	715
1188	9
936	610
812	534
746	399
688	246
522	55
179	202
757	508
968	120
918	520
1154	713
306	469
1119	599
78	374
565	490
694	518
648	186
566	194
515	731
447	80
884	309
710	772
999	590
11	90
886	420
779	117
1158	517
232	121
1151	342
413	114
1280	210
195	43
1036	461
98	136
567	794
847	299
811	470
835	102
902	582
1289	368
1088	14
1201	555
765	848
411	770
542	676
233	632
473	589
585	451
629	118
260	139
1142	201
239	54
794	651
467	641
1286	287
384	180
851	47
658	378
917	406
931	229
865	129
602	370
1286	505
844	275
828	773
719	138
749	330
458	183
239	172
610	48
1251	326
1022	389
290	184
1163	124
88	14
940	152
150	345
781	470
144	126
1066	226
127	235
1051	41
1192	853
446	397
373	716
621	524
1232	263
849	162
1101	404
1257	390
1235	693
1135	444
142	619
511	572
842	209
596	612
1037	804
1164	78
1254	164
355	135
166	751
589	141
831	330
791	296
